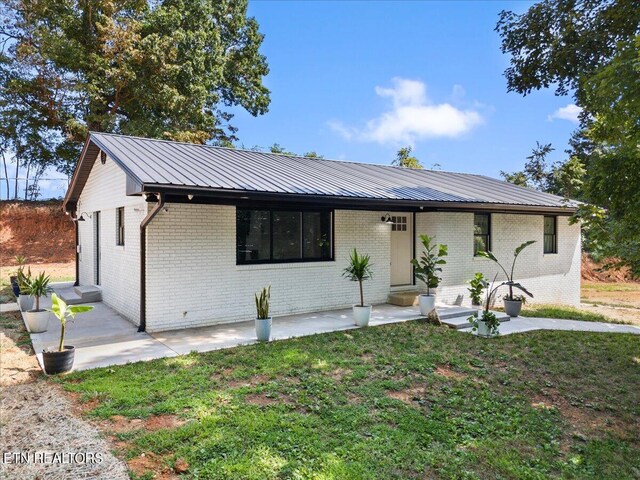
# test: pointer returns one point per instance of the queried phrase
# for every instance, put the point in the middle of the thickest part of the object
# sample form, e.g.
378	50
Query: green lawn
565	312
401	401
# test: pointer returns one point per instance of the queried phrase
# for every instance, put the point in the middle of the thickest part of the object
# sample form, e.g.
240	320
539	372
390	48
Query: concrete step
406	298
462	321
88	293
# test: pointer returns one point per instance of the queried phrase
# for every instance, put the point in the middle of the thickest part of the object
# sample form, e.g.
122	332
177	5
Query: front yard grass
565	312
399	401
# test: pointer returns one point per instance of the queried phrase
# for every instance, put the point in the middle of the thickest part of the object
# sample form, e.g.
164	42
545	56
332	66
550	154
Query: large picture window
280	235
481	233
550	235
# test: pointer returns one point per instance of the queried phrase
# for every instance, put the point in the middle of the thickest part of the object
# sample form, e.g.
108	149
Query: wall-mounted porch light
190	197
386	219
82	218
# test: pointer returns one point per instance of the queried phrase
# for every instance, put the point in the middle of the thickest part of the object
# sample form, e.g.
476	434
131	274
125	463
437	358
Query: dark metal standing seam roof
165	163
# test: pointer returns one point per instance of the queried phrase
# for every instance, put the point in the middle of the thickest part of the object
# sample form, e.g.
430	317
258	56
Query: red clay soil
591	271
38	230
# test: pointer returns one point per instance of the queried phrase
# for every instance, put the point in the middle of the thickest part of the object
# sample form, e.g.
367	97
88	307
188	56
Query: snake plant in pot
263	320
61	360
359	270
512	303
38	318
427	268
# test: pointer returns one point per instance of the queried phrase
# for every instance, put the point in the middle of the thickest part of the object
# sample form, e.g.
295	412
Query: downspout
143	259
74	218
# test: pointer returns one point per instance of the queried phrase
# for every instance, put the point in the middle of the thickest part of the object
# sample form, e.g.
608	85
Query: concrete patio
102	337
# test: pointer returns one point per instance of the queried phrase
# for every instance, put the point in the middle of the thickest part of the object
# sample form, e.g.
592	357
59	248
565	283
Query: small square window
120	226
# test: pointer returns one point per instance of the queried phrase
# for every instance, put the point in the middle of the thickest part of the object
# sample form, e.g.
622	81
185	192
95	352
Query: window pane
481	224
549	225
316	235
549	244
479	244
287	235
253	234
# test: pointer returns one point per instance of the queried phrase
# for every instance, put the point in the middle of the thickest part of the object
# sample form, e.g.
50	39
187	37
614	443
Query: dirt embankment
592	271
38	230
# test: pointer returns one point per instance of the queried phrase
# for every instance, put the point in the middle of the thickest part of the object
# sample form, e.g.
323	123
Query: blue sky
358	80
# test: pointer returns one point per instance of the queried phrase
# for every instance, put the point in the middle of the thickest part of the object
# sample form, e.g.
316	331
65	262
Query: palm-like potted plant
476	287
37	318
512	303
263	320
427	268
61	360
23	279
359	270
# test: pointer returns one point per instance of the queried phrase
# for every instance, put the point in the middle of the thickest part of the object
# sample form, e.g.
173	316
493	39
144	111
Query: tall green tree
591	50
406	160
164	69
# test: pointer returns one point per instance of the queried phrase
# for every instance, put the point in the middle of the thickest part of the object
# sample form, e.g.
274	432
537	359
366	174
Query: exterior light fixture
103	158
190	197
386	219
81	217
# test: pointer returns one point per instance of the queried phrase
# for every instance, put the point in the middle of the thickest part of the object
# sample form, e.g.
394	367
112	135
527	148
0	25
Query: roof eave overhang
179	194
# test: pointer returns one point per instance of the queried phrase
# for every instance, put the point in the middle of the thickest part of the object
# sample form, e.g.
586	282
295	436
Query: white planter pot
484	331
25	302
37	320
427	303
263	329
361	315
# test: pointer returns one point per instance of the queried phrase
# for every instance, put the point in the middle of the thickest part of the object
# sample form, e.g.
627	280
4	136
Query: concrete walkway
103	338
528	324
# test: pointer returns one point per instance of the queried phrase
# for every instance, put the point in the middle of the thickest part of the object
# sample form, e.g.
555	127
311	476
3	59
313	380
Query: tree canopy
163	69
406	160
591	50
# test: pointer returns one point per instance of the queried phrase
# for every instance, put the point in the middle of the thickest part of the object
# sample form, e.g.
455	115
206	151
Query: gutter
143	259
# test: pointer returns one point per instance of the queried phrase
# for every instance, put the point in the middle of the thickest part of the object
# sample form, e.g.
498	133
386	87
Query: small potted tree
38	319
512	303
25	301
427	268
359	270
476	287
61	360
263	320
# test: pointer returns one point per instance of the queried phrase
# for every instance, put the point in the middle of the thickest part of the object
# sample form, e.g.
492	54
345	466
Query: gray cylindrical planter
263	329
25	302
512	307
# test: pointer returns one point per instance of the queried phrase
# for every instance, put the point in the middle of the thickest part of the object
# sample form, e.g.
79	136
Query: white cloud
569	113
412	117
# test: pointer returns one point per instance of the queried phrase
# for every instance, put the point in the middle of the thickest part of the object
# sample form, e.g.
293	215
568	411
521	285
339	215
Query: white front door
401	249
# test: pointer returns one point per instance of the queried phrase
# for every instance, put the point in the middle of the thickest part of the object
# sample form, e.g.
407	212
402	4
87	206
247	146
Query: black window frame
487	235
271	260
554	235
120	226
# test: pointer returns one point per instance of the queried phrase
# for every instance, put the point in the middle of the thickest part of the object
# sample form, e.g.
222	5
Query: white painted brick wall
119	265
551	278
193	279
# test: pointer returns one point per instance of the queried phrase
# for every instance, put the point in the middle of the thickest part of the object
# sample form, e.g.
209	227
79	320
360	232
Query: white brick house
218	224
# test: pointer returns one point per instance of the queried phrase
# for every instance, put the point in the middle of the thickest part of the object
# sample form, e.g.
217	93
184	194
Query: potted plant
263	320
512	303
486	322
38	319
15	286
25	301
427	269
61	360
476	287
359	270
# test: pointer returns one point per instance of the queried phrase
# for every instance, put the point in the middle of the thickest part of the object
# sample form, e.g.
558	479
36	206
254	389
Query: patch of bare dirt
593	271
38	230
583	421
248	382
339	373
151	462
410	396
445	371
37	416
264	400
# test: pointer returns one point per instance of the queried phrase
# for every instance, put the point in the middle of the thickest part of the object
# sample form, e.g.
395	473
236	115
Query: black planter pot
14	285
58	362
